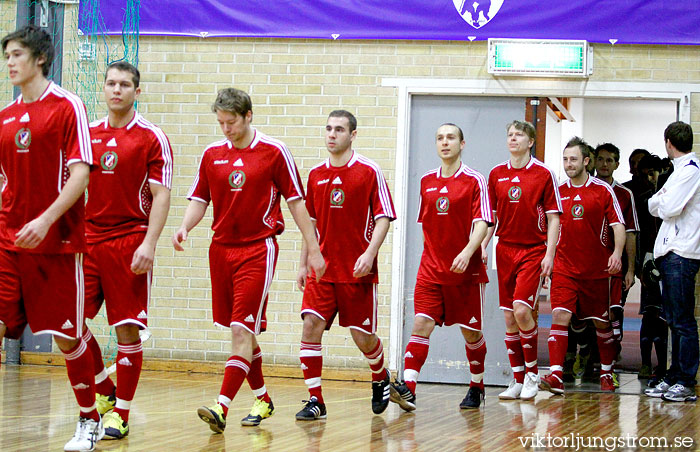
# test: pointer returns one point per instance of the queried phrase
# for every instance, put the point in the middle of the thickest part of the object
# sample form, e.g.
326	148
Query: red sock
255	378
311	359
103	384
528	340
607	349
79	368
515	356
558	342
129	363
375	358
236	370
476	354
414	358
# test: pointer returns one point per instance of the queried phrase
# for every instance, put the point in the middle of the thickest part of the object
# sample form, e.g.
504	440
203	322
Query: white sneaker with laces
513	391
87	434
530	386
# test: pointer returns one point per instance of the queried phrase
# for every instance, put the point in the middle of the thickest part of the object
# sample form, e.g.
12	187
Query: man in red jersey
523	193
583	265
607	159
45	156
244	176
128	201
455	214
350	205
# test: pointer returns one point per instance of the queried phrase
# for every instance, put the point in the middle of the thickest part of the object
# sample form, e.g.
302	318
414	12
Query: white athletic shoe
530	386
513	391
87	434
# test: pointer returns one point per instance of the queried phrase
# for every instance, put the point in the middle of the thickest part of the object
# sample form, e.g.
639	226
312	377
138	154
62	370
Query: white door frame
407	87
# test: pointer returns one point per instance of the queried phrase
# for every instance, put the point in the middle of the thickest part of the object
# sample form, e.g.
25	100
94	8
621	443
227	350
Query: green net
83	56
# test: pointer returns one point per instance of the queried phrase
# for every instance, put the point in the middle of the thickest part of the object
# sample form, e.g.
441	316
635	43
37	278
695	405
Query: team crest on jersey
577	211
23	138
236	179
477	13
337	197
442	204
109	160
515	192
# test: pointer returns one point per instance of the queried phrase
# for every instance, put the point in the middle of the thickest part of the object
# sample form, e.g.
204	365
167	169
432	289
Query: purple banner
625	21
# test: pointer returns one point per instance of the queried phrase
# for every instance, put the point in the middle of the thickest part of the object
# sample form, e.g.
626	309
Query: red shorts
585	298
109	279
44	290
450	304
519	271
616	291
240	279
355	304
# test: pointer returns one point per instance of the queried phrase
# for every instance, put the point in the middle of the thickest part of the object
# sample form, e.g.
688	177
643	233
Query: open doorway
592	103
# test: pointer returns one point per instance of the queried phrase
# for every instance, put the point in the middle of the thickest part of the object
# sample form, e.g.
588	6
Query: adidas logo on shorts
250	318
366	322
142	315
67	325
473	320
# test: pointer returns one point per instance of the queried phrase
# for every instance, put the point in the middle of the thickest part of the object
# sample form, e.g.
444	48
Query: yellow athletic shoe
214	416
261	410
105	403
115	427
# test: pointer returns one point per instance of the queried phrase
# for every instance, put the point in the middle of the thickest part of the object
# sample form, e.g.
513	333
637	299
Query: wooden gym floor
38	413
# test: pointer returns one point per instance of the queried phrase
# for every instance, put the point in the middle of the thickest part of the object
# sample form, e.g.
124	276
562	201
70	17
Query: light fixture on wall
540	57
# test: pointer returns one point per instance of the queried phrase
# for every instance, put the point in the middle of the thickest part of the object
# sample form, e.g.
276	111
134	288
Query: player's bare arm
363	265
193	215
314	258
489	234
630	250
34	232
476	240
142	261
552	238
303	263
615	260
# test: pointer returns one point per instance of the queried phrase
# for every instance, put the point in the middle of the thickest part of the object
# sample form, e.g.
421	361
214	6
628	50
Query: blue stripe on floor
634	324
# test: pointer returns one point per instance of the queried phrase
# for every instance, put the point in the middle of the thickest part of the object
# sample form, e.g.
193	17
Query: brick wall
294	84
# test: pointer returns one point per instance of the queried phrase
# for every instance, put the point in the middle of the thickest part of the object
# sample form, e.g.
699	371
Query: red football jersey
346	202
119	196
245	186
449	206
38	142
583	248
521	198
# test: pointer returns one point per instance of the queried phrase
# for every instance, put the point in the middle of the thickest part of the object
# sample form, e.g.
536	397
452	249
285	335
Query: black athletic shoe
473	399
402	395
380	394
312	410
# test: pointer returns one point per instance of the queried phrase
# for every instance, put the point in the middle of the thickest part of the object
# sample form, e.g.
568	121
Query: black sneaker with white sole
380	394
401	394
312	410
473	399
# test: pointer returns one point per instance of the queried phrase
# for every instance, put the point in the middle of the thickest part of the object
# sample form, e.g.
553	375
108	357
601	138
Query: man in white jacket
677	253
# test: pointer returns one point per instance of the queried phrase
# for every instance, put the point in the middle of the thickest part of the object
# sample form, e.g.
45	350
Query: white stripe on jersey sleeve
634	227
486	212
554	182
384	196
83	128
288	158
166	151
616	205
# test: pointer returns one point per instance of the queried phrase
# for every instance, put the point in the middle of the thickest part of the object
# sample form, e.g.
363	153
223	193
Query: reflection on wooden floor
38	413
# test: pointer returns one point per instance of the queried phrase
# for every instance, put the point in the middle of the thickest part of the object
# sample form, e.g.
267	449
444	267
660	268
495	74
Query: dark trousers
678	293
